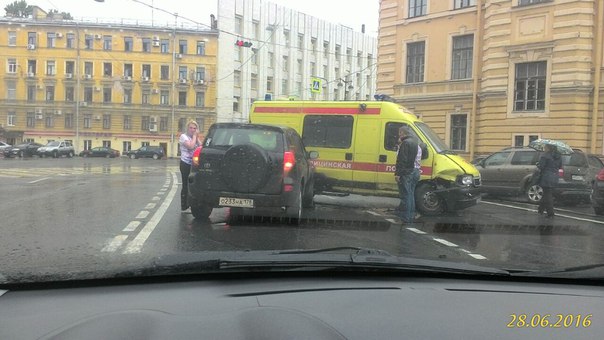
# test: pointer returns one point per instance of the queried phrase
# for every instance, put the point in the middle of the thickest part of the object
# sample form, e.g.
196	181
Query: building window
11	119
164	97
254	81
181	124
464	3
285	64
70	67
88	94
50	93
31	93
182	46
107	95
11	90
107	144
145	123
463	47
127	96
12	38
49	121
87	144
201	48
417	8
165	72
524	140
284	87
69	94
127	122
145	97
32	38
235	104
201	123
88	68
271	60
87	121
238	25
415	62
12	65
107	70
70	40
128	44
200	99
182	98
459	127
163	123
200	73
31	120
237	78
182	72
50	39
147	70
531	2
126	146
88	41
269	84
127	70
106	121
69	120
164	46
146	45
529	90
51	68
107	42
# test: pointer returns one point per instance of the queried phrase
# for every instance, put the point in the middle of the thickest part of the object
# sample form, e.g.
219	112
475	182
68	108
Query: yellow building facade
98	84
489	74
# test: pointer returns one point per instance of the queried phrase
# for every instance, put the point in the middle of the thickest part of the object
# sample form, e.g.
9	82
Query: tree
18	9
53	12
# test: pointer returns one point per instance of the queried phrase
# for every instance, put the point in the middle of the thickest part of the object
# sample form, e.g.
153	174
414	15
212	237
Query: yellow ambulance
357	146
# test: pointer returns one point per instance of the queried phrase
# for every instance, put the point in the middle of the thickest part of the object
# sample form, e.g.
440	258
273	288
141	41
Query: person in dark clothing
407	172
549	164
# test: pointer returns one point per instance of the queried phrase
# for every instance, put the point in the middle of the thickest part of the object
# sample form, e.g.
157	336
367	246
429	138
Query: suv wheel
132	156
533	193
155	156
70	154
200	211
55	154
308	198
427	201
295	215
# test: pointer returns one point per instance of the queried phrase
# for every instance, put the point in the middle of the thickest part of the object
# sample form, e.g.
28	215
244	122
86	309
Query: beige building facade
105	84
490	74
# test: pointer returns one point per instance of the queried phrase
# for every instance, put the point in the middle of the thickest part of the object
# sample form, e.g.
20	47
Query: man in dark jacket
549	163
407	172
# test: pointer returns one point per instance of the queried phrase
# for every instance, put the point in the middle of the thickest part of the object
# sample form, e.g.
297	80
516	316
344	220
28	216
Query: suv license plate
577	178
236	202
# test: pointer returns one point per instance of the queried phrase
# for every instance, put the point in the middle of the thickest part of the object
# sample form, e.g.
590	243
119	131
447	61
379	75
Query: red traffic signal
242	43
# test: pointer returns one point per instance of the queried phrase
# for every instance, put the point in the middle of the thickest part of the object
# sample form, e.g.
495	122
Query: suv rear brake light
288	161
196	157
600	175
561	173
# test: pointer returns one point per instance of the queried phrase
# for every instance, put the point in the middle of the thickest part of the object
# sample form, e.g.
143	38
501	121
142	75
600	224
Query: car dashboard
374	307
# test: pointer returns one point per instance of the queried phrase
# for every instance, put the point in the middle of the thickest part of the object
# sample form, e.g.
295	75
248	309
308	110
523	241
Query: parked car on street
255	169
100	151
597	193
23	150
4	146
155	152
56	149
508	172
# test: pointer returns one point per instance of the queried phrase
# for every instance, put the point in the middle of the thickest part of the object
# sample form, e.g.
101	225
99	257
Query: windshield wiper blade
590	271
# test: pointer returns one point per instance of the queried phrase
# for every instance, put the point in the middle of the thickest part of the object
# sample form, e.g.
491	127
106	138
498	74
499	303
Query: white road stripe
465	251
39	180
391	220
136	245
534	210
478	256
445	242
373	213
132	226
155	198
142	214
417	231
150	205
115	243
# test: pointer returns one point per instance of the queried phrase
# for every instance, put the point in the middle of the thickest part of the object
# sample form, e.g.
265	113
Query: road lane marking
417	231
478	256
150	206
115	243
132	226
155	198
391	220
445	242
534	210
142	214
39	180
136	245
373	213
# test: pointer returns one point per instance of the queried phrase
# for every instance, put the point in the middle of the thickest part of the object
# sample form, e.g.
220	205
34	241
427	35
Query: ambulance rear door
366	154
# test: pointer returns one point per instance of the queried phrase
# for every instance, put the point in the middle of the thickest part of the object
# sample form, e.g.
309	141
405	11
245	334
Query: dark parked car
155	152
508	172
22	150
255	169
597	194
100	151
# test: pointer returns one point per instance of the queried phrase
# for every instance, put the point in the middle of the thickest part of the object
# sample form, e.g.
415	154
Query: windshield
212	130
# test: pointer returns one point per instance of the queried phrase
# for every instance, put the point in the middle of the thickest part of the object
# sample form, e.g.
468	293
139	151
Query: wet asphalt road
76	216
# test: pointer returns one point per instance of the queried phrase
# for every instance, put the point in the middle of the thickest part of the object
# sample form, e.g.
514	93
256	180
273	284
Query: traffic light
242	43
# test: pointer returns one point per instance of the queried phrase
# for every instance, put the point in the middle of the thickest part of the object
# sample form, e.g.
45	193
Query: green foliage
18	9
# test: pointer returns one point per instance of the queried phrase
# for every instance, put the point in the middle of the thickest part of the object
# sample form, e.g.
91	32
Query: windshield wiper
324	259
591	271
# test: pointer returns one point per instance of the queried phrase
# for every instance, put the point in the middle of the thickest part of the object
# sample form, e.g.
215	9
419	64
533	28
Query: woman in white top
189	141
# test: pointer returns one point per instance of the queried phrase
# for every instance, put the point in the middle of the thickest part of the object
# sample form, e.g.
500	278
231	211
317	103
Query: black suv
155	152
508	172
259	170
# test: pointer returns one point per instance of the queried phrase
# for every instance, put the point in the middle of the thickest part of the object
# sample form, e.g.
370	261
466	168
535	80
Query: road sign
316	85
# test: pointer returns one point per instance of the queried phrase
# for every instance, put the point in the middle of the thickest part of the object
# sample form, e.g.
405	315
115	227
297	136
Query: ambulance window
328	131
391	136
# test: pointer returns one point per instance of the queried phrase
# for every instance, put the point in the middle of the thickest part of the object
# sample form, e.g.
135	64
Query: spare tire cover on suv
245	167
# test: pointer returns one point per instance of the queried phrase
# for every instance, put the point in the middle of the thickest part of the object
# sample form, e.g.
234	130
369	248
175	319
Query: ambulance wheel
427	202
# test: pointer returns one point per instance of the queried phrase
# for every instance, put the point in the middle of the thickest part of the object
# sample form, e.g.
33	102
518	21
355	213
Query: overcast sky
352	13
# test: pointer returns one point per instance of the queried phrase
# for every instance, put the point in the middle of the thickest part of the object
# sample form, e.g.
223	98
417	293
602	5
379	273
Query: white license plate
577	178
236	202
